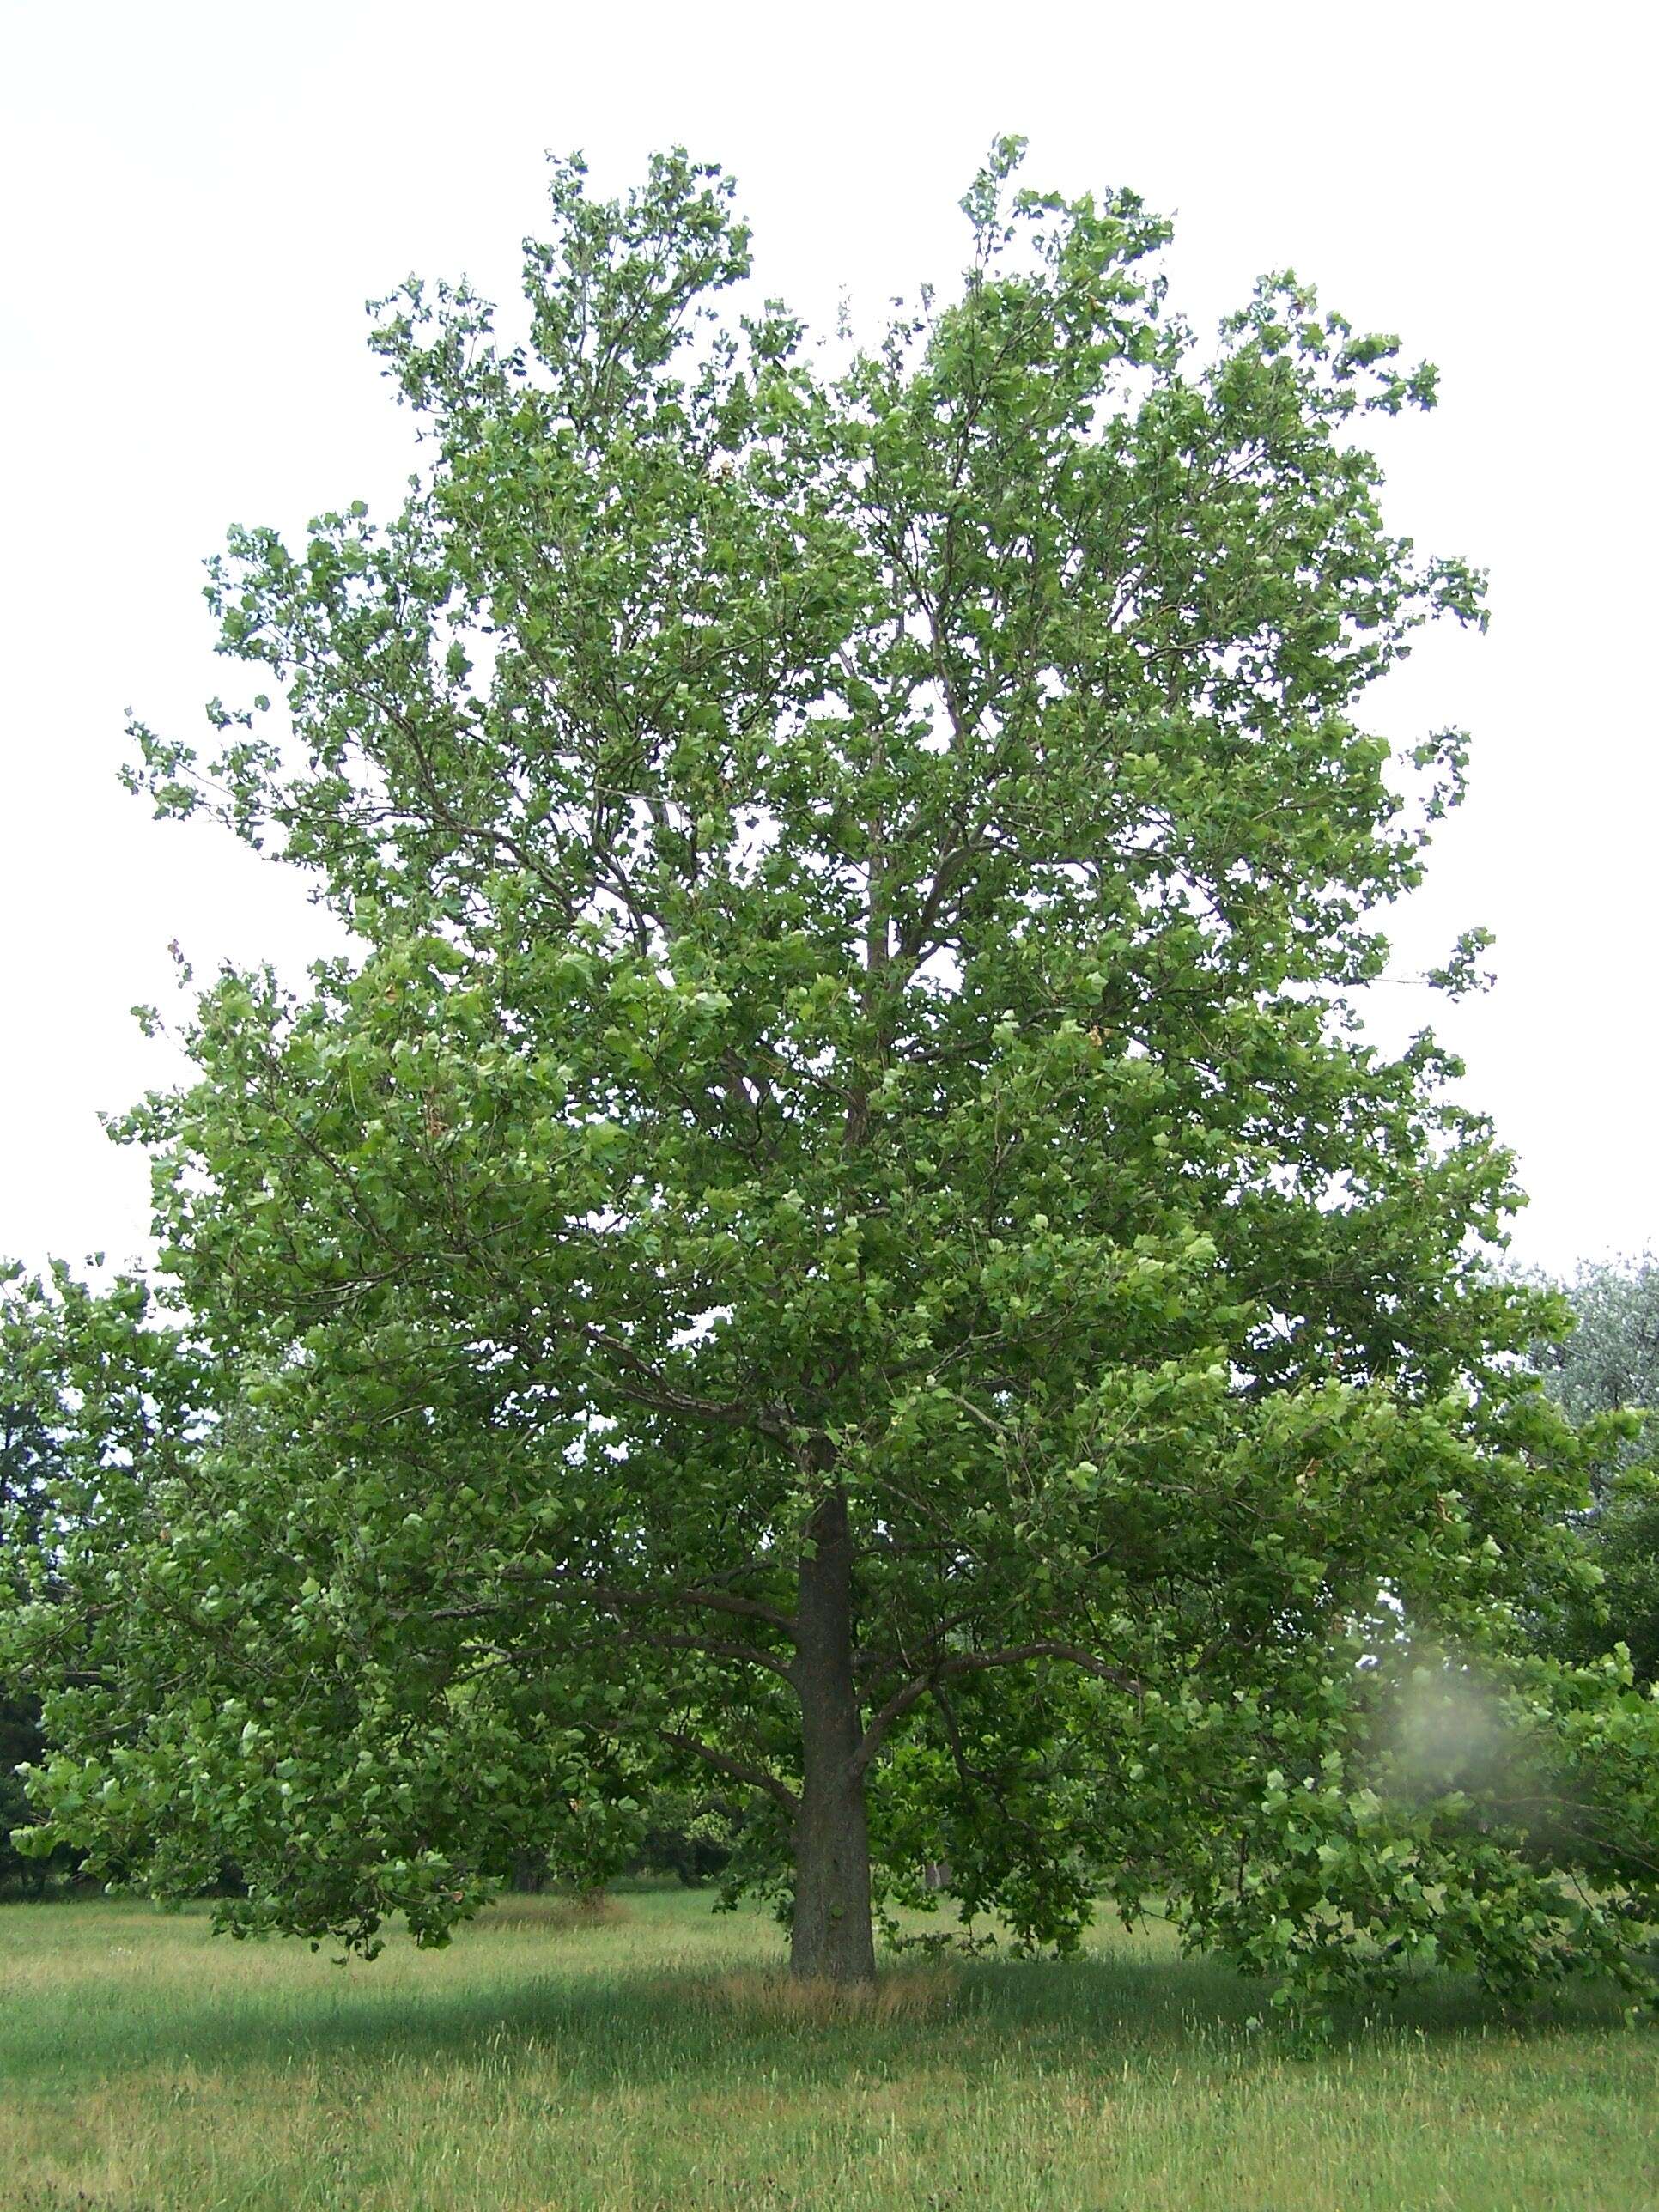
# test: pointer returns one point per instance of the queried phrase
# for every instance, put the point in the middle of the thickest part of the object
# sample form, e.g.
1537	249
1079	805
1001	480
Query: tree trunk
831	1935
529	1871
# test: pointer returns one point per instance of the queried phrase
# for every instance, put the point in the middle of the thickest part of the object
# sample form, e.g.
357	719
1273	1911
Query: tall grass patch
655	2057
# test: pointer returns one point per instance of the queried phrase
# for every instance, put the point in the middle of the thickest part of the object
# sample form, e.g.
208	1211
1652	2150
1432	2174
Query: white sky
195	200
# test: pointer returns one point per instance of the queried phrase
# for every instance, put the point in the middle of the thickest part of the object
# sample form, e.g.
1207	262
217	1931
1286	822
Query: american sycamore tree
839	1234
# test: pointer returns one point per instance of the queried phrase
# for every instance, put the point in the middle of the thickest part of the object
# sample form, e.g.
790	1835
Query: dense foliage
840	1234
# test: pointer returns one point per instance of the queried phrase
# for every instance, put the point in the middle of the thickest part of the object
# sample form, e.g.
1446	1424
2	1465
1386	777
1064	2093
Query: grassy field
651	2061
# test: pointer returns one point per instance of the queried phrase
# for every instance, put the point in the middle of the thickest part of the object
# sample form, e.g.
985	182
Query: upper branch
616	1593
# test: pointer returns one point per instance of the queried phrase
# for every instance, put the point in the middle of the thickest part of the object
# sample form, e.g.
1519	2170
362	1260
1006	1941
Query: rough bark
831	1936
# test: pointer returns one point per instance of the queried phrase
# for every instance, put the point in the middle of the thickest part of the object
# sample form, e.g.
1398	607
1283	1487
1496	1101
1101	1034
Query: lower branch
736	1769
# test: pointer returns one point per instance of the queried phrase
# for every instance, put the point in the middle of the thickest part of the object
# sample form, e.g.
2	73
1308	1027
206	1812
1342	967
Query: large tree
840	1232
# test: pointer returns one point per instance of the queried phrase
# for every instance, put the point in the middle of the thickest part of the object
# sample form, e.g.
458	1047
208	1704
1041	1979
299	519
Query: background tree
841	1236
1610	1363
34	1419
26	1455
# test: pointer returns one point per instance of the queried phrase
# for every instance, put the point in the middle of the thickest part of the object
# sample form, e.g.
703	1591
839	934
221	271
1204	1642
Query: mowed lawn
650	2062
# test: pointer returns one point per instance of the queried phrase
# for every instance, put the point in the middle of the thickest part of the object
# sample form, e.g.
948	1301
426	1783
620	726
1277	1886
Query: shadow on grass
1152	2007
641	2025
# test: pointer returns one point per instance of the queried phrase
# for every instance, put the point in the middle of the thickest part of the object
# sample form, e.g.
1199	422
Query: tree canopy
840	1229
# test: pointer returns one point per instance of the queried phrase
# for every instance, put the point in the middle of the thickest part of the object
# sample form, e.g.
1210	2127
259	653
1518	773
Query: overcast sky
198	199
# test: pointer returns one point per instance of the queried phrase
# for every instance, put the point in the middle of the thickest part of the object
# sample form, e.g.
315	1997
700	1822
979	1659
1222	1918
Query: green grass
650	2062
